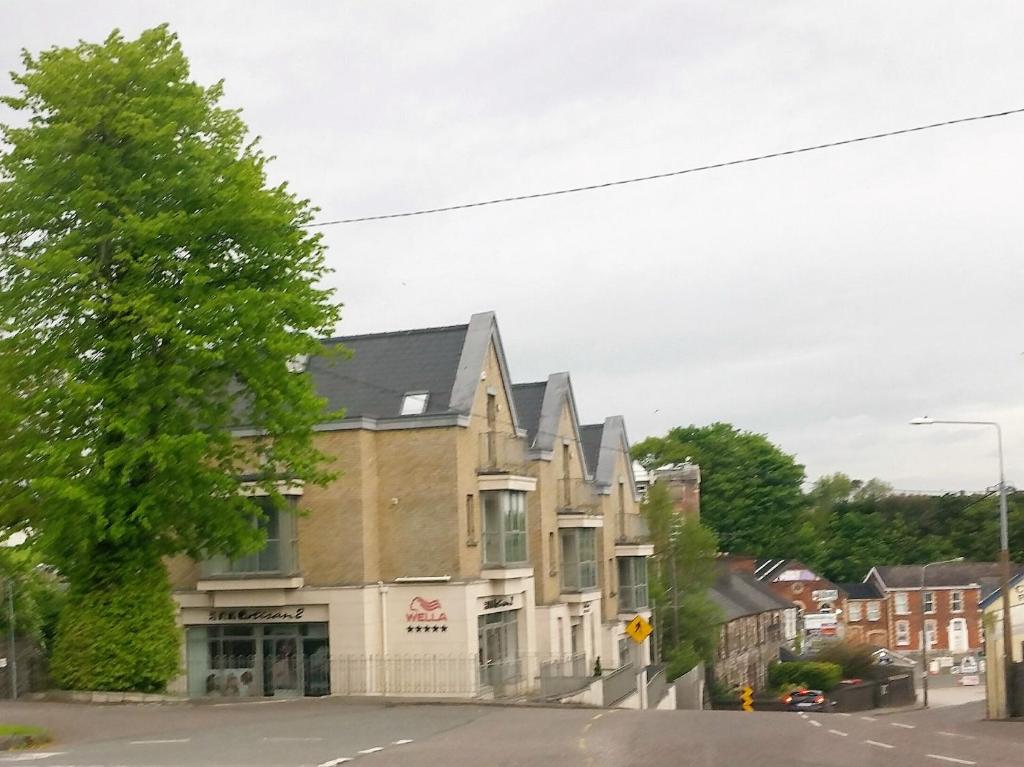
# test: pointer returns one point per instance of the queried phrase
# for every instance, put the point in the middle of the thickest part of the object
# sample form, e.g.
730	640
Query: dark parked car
807	700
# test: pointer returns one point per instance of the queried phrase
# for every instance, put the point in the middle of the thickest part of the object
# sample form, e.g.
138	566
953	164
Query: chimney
683	480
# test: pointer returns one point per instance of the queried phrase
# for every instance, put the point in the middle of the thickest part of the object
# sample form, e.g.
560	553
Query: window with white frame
874	611
956	601
901	603
929	601
279	553
902	633
579	559
855	610
415	403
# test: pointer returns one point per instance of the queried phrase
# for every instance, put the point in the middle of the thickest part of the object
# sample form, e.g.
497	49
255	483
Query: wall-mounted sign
495	602
257	614
425	616
499	603
825	595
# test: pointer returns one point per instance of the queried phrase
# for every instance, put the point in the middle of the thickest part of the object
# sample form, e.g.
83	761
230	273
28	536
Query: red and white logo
423	610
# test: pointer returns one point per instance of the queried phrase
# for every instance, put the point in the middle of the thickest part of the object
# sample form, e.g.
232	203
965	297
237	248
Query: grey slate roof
952	574
865	590
739	593
529	398
590	437
385	366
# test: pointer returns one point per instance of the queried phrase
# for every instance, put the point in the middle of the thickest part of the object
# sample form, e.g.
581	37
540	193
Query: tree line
754	496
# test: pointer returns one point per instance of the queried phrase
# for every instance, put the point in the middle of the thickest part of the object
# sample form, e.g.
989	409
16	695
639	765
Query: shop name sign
255	614
495	602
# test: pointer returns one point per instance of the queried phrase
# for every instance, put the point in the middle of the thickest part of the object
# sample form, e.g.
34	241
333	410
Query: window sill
505	572
249	582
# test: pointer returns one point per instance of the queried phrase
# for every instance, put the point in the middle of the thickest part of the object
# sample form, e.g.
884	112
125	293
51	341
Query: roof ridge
387	333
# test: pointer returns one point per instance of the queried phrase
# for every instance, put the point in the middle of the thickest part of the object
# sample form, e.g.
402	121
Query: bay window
279	553
632	584
504	527
579	559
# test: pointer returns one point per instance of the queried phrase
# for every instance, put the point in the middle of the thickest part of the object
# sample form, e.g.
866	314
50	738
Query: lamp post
1004	552
924	632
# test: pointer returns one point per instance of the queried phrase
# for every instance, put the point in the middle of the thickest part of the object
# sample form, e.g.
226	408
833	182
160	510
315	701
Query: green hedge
118	636
808	674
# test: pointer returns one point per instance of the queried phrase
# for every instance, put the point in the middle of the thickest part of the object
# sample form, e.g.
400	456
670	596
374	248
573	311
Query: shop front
257	652
501	665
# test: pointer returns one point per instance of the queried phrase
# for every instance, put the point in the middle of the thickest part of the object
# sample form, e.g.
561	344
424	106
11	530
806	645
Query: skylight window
415	403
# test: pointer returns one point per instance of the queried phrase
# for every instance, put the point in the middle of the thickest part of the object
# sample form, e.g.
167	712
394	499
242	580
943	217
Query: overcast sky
823	299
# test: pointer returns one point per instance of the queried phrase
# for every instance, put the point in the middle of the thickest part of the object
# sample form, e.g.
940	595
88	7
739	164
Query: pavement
329	732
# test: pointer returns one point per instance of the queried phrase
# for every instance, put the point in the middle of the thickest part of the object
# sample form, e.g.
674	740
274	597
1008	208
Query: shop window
279	554
504	527
498	638
632	584
579	559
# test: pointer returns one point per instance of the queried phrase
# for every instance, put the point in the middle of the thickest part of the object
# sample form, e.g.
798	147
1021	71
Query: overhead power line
668	174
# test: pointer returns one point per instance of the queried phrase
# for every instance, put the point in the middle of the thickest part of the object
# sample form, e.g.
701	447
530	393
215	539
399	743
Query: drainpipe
383	591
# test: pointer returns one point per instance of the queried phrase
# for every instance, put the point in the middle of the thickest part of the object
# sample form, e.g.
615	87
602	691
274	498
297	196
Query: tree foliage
682	571
750	490
153	291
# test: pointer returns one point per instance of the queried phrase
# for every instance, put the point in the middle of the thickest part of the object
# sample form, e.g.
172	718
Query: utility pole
12	639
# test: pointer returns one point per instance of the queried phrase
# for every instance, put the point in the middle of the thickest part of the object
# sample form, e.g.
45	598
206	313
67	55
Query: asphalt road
331	732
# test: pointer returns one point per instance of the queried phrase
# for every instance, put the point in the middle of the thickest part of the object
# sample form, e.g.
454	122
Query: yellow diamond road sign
638	629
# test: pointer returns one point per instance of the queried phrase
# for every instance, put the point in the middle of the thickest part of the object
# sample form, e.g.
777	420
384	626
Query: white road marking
955	735
869	719
32	757
284	739
597	716
840	733
816	724
904	726
402	742
843	713
151	742
335	762
373	750
880	745
949	759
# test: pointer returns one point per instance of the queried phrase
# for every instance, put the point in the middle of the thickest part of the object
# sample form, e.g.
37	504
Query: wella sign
423	610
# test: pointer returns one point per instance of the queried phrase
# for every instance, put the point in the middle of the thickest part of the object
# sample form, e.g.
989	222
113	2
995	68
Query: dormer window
415	403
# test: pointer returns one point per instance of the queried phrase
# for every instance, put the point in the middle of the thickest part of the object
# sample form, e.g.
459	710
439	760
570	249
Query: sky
823	300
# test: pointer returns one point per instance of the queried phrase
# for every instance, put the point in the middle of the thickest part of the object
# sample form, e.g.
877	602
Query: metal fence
562	675
657	685
619	684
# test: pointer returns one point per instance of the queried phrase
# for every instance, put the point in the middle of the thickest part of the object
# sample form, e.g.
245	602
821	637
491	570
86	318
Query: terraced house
477	540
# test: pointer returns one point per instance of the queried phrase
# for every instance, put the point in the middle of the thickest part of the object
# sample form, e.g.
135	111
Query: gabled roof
614	442
990	591
371	382
739	593
864	590
529	398
946	575
590	436
384	366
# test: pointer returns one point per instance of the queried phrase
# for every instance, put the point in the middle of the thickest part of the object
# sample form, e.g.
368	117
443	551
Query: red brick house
821	603
948	604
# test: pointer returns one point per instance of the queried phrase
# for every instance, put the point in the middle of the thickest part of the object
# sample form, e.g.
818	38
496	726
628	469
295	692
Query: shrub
118	635
680	661
856	660
809	674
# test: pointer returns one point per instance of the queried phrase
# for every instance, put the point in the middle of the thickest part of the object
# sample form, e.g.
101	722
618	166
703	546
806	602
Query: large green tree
154	289
750	491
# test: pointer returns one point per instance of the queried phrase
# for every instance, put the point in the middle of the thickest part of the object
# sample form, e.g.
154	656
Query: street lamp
1004	551
924	631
